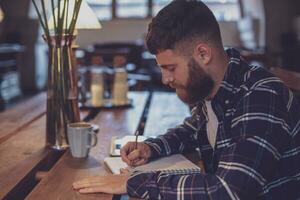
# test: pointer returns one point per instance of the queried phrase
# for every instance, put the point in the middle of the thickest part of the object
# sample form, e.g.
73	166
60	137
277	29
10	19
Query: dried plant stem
41	19
62	100
54	18
47	32
75	16
66	20
60	19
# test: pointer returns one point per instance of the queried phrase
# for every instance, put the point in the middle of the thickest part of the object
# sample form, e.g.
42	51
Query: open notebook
173	162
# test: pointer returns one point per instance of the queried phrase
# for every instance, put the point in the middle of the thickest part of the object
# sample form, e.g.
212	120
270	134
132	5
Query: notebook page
176	161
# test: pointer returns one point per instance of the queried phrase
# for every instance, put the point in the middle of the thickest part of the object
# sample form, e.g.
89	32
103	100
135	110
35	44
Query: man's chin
183	96
186	98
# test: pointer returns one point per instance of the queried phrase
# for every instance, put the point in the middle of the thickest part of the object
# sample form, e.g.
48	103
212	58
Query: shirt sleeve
246	165
180	139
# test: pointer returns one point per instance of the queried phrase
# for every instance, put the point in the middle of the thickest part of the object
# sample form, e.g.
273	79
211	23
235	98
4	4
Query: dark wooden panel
166	111
58	183
19	180
17	118
290	78
13	120
27	143
24	152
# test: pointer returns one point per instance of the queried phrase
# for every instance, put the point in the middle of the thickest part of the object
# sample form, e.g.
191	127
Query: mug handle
94	139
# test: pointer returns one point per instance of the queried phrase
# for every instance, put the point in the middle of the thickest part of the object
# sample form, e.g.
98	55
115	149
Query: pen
136	139
135	143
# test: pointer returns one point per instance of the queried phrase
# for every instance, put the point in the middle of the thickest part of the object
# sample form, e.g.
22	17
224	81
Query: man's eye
171	69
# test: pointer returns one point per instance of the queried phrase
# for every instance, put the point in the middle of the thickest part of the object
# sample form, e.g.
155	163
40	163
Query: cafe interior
114	83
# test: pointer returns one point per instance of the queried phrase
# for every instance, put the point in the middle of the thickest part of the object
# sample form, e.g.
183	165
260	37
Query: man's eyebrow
166	65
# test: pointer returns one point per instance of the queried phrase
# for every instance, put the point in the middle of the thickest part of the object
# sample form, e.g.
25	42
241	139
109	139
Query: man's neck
218	70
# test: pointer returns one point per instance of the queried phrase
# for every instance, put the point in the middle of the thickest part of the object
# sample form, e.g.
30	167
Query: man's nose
167	78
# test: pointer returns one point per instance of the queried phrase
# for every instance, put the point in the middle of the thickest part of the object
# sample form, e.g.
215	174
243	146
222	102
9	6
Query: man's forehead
165	56
166	52
170	57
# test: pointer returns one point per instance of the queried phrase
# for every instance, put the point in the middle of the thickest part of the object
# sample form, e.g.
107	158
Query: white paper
173	162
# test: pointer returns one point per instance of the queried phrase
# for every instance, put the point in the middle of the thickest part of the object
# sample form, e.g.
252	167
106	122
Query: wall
135	29
18	28
116	30
279	17
296	22
34	66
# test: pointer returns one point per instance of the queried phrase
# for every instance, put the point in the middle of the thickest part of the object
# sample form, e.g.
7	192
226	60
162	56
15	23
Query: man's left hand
111	184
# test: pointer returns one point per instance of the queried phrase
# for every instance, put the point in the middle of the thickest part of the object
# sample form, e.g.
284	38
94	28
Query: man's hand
111	184
135	157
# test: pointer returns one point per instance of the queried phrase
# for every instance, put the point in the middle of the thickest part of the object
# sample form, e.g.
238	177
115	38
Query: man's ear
203	53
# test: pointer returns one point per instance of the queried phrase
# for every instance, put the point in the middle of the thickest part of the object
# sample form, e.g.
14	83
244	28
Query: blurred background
266	31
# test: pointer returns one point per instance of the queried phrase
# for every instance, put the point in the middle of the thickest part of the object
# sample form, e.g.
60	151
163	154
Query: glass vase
62	91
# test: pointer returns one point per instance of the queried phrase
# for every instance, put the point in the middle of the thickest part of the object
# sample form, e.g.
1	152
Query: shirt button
227	101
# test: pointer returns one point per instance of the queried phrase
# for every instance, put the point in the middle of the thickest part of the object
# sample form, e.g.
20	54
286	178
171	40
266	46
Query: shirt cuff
143	185
156	150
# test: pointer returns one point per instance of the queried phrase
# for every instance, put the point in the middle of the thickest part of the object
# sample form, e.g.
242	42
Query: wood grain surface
114	122
13	120
22	148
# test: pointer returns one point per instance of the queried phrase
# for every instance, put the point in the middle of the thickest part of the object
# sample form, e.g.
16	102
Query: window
158	5
224	10
131	8
102	8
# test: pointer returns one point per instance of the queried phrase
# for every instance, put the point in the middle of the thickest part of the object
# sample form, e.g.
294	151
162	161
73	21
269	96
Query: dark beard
199	83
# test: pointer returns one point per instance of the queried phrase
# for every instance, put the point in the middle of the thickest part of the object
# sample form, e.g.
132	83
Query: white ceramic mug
81	138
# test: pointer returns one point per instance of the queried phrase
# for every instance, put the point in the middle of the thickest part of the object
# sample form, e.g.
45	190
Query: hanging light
86	19
1	15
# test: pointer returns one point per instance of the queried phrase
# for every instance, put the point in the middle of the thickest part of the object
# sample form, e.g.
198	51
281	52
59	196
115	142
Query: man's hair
182	21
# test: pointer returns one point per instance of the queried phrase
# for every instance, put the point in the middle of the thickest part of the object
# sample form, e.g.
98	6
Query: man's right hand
135	157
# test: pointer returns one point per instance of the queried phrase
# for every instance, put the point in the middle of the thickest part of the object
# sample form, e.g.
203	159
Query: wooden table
19	155
16	182
22	147
165	111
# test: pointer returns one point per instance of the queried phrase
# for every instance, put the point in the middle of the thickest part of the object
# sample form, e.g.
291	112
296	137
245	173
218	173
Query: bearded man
244	121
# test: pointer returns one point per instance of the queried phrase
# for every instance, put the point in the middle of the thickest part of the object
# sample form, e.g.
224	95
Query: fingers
90	190
135	157
139	162
95	189
124	170
135	154
125	157
86	182
125	151
112	184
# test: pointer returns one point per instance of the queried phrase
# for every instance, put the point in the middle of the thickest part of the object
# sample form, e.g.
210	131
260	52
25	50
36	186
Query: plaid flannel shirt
257	151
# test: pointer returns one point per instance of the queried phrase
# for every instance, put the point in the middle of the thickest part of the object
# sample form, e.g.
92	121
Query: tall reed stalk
60	18
62	99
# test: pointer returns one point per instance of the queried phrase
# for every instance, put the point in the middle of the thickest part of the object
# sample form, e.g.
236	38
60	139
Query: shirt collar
230	82
229	85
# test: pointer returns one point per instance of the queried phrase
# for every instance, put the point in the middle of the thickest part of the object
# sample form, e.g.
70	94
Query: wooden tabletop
166	111
23	154
13	120
58	183
22	147
15	147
